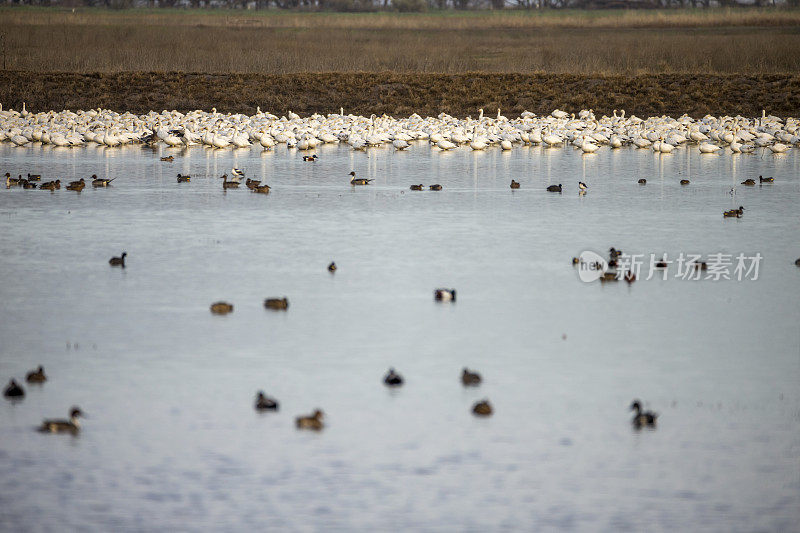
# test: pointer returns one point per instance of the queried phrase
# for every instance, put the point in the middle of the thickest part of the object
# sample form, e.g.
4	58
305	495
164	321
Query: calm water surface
173	442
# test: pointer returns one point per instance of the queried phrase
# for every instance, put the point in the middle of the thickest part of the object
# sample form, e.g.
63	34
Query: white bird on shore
400	144
266	140
220	141
19	140
240	140
552	140
588	147
778	148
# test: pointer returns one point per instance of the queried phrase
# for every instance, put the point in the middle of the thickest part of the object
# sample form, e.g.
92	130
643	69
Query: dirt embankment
403	94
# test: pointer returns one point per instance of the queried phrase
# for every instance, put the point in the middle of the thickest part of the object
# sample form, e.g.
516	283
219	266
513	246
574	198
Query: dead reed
216	49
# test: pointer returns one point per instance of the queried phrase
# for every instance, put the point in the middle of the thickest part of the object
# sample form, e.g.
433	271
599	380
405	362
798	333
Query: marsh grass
42	46
715	61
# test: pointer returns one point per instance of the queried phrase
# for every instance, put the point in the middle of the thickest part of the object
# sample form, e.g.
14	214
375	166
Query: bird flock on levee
584	132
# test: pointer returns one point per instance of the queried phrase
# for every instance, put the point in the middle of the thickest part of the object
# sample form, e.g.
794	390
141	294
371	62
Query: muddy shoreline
402	94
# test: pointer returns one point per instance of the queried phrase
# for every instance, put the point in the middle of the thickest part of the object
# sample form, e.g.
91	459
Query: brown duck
229	184
280	304
482	408
36	376
313	421
76	185
221	308
470	378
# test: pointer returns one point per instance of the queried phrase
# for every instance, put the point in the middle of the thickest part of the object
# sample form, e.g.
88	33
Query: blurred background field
719	41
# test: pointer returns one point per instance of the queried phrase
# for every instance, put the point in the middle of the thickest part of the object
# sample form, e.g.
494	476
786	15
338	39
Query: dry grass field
649	62
618	42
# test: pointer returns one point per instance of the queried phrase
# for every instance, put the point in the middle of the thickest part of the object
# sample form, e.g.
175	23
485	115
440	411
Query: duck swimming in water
63	426
183	179
265	403
554	188
514	184
277	303
314	421
221	308
332	267
118	261
76	185
444	295
229	184
358	181
392	378
101	182
642	418
417	187
482	408
435	187
749	182
470	378
13	390
737	213
36	376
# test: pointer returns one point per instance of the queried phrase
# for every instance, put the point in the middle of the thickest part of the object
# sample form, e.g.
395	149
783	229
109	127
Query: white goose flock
584	131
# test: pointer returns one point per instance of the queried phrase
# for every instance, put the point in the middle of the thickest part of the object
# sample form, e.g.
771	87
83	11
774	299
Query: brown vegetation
402	94
718	61
608	43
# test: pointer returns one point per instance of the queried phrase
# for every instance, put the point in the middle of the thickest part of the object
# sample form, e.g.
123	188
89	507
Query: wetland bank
673	62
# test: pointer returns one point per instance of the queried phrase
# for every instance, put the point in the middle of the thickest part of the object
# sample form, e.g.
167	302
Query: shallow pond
172	441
